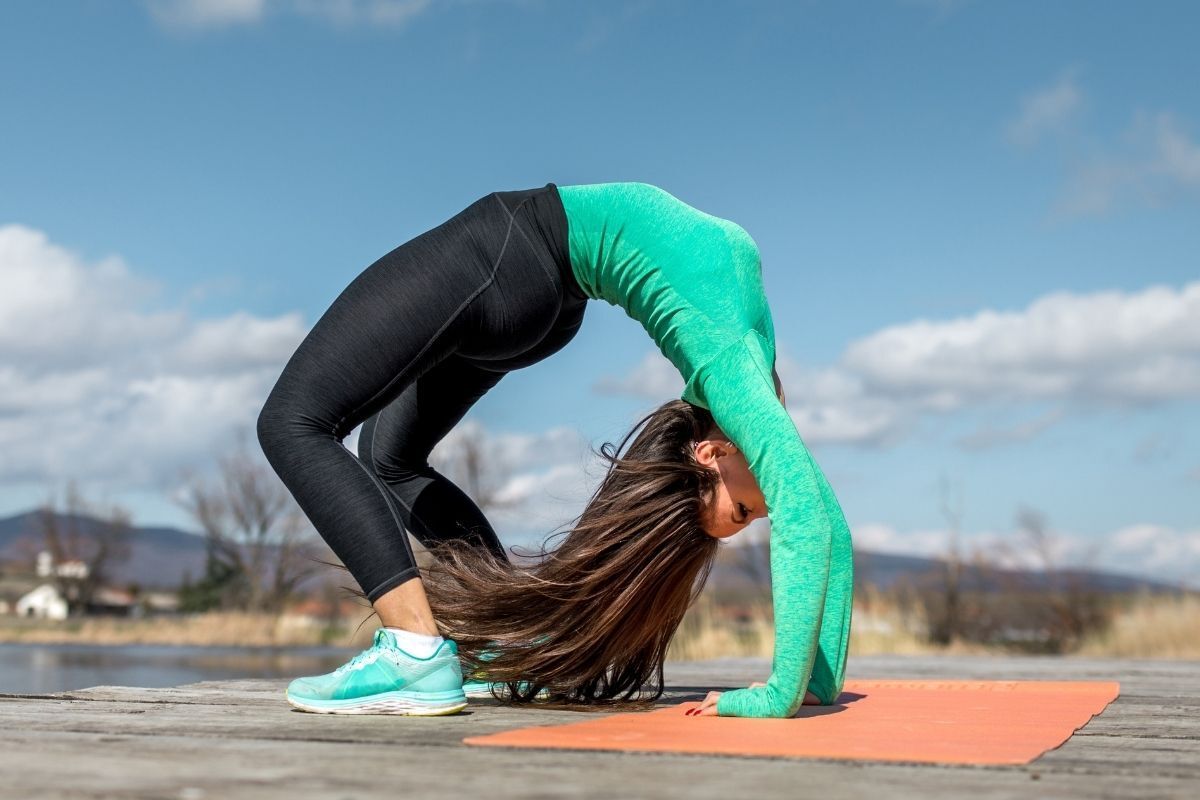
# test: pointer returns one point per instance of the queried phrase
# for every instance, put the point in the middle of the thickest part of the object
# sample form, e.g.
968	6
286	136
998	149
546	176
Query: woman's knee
282	427
392	464
272	431
394	468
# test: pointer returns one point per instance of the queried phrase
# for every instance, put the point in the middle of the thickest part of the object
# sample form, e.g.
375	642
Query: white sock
420	645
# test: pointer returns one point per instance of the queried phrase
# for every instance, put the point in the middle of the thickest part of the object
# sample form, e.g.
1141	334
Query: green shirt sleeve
811	560
829	667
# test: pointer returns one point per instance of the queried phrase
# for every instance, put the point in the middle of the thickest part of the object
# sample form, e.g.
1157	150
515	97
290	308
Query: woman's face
737	500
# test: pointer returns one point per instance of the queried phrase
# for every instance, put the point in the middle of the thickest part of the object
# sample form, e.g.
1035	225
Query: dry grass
213	628
704	633
1151	627
1145	626
879	626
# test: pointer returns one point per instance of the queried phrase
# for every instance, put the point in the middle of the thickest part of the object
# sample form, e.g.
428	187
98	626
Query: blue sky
978	224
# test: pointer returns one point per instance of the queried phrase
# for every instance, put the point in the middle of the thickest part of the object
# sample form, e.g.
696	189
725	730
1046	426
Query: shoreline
1148	628
208	629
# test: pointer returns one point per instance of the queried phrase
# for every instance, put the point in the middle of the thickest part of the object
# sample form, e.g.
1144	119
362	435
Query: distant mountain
737	567
885	569
161	557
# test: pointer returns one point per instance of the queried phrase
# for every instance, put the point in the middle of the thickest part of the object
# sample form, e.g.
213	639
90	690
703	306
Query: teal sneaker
477	689
384	679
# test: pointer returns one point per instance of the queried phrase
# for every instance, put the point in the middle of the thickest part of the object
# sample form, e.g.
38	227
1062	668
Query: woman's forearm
829	666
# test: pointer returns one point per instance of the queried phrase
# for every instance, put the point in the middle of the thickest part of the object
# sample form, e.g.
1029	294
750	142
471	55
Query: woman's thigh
396	442
404	433
430	297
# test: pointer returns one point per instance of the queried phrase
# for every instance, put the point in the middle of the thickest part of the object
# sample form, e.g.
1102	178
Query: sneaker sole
397	703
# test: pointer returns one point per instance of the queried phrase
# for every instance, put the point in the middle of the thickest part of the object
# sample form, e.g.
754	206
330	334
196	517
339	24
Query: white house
73	568
44	602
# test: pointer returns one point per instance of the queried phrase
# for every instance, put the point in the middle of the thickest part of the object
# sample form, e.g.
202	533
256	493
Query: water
41	668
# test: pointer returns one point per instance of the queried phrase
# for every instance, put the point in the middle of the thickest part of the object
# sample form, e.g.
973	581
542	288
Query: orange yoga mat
923	721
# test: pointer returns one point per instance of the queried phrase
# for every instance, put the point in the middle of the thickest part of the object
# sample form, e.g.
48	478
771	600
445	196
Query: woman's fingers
707	707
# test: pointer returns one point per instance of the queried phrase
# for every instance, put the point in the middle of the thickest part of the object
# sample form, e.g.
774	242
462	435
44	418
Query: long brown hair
590	620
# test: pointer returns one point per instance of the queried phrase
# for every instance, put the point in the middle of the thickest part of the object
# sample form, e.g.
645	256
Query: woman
423	332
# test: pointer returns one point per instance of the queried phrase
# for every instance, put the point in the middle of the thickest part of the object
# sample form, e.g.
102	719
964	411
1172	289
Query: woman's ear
720	443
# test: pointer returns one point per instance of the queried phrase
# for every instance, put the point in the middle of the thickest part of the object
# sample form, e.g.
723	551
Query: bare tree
258	538
946	617
474	465
1071	609
84	541
477	466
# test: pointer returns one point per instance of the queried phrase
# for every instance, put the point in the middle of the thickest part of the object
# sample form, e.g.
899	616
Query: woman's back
693	280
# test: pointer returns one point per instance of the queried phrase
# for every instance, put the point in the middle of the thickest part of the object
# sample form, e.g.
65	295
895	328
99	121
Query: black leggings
405	350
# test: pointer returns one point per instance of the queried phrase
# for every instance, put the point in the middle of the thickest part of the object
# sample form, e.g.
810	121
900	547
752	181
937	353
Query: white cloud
828	405
539	481
206	13
1024	430
99	385
1109	348
1154	161
1157	163
1154	551
1047	110
384	13
525	486
234	343
516	450
652	376
41	327
833	404
882	538
96	385
210	14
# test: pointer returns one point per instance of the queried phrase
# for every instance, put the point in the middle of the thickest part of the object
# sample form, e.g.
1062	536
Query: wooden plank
78	765
240	739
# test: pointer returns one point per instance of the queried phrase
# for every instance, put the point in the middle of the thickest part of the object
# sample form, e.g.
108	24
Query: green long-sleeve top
694	282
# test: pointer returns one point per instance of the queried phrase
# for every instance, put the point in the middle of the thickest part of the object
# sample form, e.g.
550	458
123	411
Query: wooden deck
233	739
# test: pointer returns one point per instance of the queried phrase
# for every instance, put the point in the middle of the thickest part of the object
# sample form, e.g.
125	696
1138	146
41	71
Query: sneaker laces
364	655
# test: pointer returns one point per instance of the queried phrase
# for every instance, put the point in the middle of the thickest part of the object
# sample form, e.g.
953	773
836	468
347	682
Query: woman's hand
708	706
